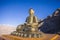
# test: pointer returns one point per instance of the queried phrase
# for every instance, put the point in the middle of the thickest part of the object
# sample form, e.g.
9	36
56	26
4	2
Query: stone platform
29	35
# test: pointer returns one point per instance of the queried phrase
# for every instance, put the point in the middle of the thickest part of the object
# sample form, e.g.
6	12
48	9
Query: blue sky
14	12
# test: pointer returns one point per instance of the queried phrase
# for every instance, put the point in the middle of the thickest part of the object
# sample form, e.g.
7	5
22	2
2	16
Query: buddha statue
30	28
31	19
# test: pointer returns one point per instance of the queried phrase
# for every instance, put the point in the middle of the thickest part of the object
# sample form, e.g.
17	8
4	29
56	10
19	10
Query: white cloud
6	29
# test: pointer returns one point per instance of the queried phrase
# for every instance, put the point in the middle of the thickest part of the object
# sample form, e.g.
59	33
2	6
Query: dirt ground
46	37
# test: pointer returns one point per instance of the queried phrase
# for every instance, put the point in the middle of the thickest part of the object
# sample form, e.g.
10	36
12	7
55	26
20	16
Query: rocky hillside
51	24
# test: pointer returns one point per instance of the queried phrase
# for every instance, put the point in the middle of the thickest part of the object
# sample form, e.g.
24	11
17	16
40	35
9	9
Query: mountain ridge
51	23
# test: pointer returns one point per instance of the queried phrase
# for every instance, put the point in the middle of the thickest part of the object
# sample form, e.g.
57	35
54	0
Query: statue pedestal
10	37
28	34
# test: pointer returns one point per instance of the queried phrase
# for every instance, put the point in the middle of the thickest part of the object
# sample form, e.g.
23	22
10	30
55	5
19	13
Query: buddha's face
31	12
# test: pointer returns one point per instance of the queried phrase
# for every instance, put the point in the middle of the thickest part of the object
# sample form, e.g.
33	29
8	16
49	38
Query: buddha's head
31	11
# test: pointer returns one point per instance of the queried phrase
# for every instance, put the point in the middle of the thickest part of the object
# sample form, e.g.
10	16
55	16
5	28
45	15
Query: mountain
51	24
6	29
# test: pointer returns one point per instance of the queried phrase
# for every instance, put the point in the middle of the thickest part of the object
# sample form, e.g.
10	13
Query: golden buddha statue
30	28
31	19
